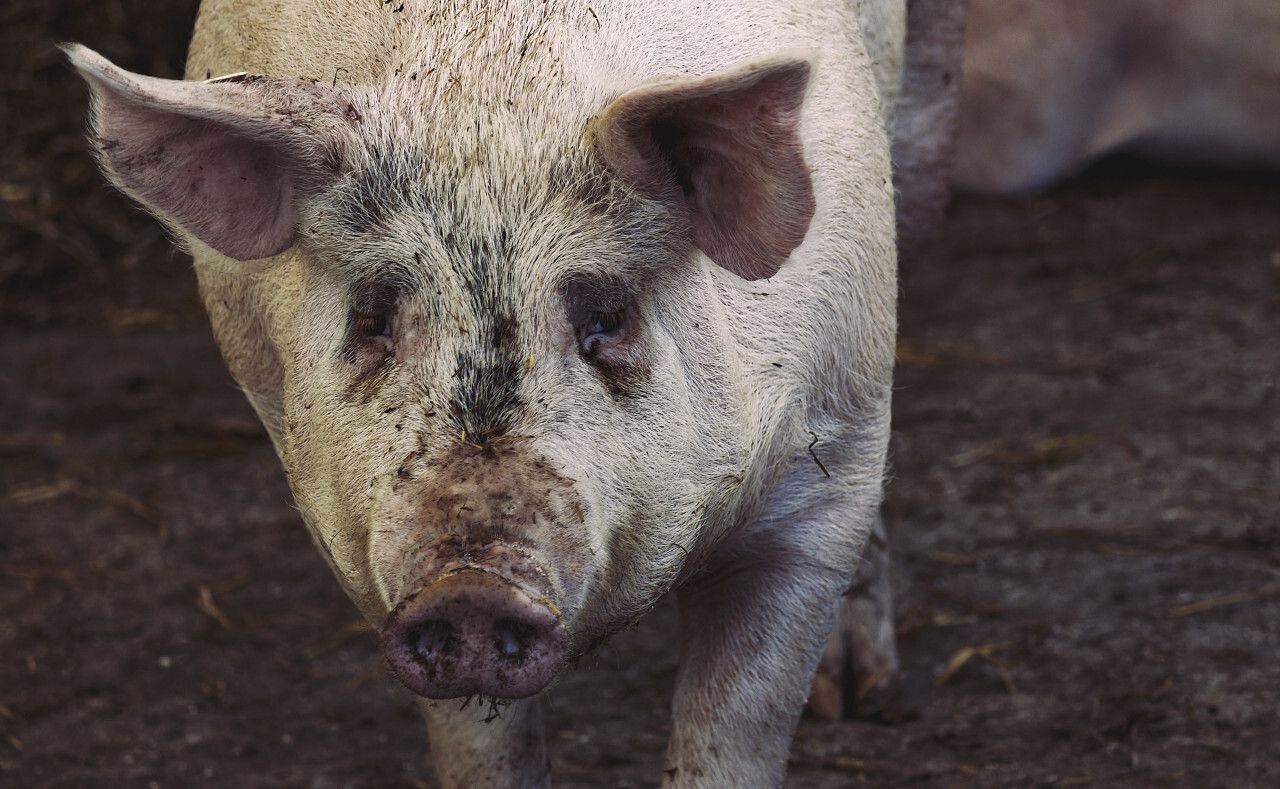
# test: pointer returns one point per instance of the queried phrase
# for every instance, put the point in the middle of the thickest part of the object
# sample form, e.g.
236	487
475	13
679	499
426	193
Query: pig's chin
474	619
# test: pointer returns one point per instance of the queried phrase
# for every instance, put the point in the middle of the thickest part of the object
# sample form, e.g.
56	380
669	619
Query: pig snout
473	631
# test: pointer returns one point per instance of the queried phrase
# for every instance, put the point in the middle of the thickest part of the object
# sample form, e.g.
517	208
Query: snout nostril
511	637
429	639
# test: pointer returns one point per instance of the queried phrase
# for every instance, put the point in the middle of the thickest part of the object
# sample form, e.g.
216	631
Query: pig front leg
863	647
480	745
752	630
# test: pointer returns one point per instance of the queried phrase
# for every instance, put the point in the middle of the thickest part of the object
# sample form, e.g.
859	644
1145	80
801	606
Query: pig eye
603	316
373	313
371	325
601	329
604	323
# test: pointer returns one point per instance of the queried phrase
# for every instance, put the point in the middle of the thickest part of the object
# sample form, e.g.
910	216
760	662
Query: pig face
490	348
504	359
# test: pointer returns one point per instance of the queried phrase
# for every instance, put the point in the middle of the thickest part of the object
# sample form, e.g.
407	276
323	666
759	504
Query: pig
1049	88
551	308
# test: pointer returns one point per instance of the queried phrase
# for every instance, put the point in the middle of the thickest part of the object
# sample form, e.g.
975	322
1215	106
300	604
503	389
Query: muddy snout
474	631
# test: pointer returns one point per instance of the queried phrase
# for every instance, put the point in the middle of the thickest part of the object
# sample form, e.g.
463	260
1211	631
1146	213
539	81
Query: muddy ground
1085	504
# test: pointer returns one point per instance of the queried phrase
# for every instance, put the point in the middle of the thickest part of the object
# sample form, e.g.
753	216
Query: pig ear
225	161
727	149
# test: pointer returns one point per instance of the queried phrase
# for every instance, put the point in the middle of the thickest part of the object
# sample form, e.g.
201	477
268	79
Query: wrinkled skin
1051	87
550	312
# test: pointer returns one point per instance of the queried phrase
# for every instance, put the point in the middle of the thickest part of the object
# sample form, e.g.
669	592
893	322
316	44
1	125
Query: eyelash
377	325
373	314
604	322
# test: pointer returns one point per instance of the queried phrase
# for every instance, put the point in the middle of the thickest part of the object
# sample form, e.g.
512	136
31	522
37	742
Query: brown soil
1086	503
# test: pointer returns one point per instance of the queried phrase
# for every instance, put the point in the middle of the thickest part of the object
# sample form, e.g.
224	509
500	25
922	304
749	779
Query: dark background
1085	504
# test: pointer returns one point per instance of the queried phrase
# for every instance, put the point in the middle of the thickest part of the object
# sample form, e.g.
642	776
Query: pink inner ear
731	143
752	196
226	189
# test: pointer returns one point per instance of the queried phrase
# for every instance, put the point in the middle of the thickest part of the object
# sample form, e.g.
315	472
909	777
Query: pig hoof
473	632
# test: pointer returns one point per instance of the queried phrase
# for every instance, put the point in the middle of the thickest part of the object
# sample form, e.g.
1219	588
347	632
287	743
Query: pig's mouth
471	631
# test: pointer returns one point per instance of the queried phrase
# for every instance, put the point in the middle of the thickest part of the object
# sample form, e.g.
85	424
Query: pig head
458	418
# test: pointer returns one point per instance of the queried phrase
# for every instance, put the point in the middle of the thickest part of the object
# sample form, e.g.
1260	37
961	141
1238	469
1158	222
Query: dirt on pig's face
496	346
